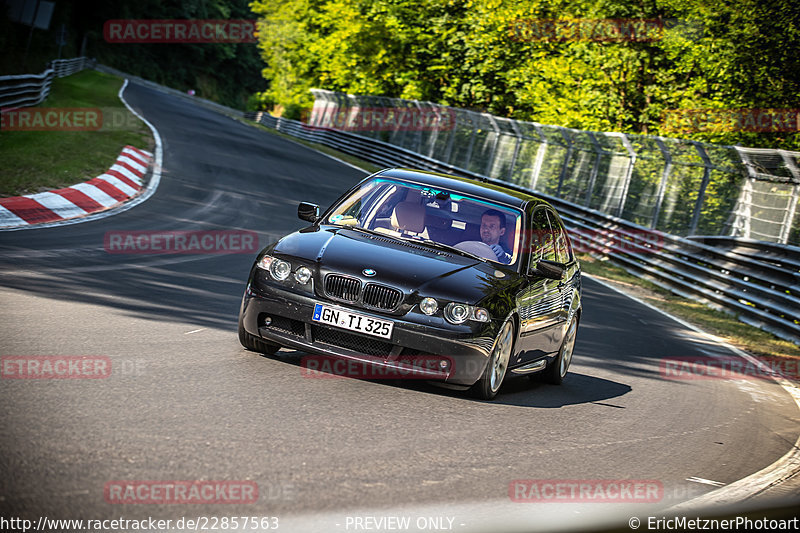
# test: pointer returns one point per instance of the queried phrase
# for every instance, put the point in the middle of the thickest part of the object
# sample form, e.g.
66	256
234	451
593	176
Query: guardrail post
744	205
598	152
628	173
701	193
490	159
662	186
517	146
540	152
474	123
567	159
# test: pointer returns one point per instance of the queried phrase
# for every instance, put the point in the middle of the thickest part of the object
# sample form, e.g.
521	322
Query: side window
562	244
541	238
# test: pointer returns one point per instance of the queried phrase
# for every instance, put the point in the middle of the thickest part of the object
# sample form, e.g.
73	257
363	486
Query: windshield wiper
429	242
370	231
442	246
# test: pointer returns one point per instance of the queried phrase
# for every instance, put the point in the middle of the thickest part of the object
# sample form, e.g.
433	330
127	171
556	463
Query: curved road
186	402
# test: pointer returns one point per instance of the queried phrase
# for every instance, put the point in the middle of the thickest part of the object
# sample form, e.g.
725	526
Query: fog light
267	320
428	306
302	275
444	363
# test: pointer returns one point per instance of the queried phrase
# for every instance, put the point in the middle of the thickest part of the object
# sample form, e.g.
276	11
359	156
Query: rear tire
487	387
557	370
255	344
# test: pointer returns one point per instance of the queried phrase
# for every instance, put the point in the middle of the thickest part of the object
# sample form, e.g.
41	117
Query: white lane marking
95	194
194	331
151	188
118	183
58	204
705	481
758	482
7	218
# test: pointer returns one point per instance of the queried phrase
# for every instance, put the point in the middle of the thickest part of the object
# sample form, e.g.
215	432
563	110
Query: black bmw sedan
419	274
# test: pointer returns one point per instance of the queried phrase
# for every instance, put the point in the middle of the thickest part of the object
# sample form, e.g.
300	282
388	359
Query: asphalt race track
186	402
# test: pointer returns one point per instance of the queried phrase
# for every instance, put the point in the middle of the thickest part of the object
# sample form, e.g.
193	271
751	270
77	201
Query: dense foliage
228	73
494	55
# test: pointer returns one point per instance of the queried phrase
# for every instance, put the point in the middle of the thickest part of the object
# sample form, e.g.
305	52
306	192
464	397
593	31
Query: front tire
558	369
489	384
255	344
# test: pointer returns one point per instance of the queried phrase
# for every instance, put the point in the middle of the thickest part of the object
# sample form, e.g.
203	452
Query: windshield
416	212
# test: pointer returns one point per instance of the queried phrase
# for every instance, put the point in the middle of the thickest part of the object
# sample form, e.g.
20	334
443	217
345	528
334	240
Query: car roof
470	187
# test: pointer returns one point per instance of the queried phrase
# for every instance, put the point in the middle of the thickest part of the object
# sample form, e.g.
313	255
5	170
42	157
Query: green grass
36	161
723	325
366	165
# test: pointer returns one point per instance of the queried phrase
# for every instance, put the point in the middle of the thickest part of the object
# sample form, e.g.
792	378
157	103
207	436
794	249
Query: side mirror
308	212
550	269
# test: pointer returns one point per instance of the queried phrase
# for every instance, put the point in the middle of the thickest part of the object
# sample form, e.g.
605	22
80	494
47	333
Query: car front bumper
291	325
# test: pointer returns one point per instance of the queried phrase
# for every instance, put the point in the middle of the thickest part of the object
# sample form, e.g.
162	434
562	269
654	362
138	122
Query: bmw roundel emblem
368	272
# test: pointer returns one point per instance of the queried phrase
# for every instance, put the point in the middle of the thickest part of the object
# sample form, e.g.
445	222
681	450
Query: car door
566	287
540	303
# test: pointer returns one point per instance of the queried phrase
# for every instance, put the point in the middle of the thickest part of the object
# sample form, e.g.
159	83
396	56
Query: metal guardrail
760	292
26	90
672	185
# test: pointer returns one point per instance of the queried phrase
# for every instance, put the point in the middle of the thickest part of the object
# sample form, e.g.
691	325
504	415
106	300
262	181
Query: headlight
302	275
456	313
428	306
280	269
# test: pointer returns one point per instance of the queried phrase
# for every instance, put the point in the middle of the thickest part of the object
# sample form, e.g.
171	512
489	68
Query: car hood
408	266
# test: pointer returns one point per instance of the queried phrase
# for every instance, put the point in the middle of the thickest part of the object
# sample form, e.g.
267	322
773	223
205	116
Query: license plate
334	316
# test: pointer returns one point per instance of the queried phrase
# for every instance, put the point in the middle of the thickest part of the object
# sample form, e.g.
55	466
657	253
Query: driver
493	226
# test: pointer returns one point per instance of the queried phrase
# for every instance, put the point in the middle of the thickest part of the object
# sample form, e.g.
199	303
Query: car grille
381	297
373	295
342	287
356	343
